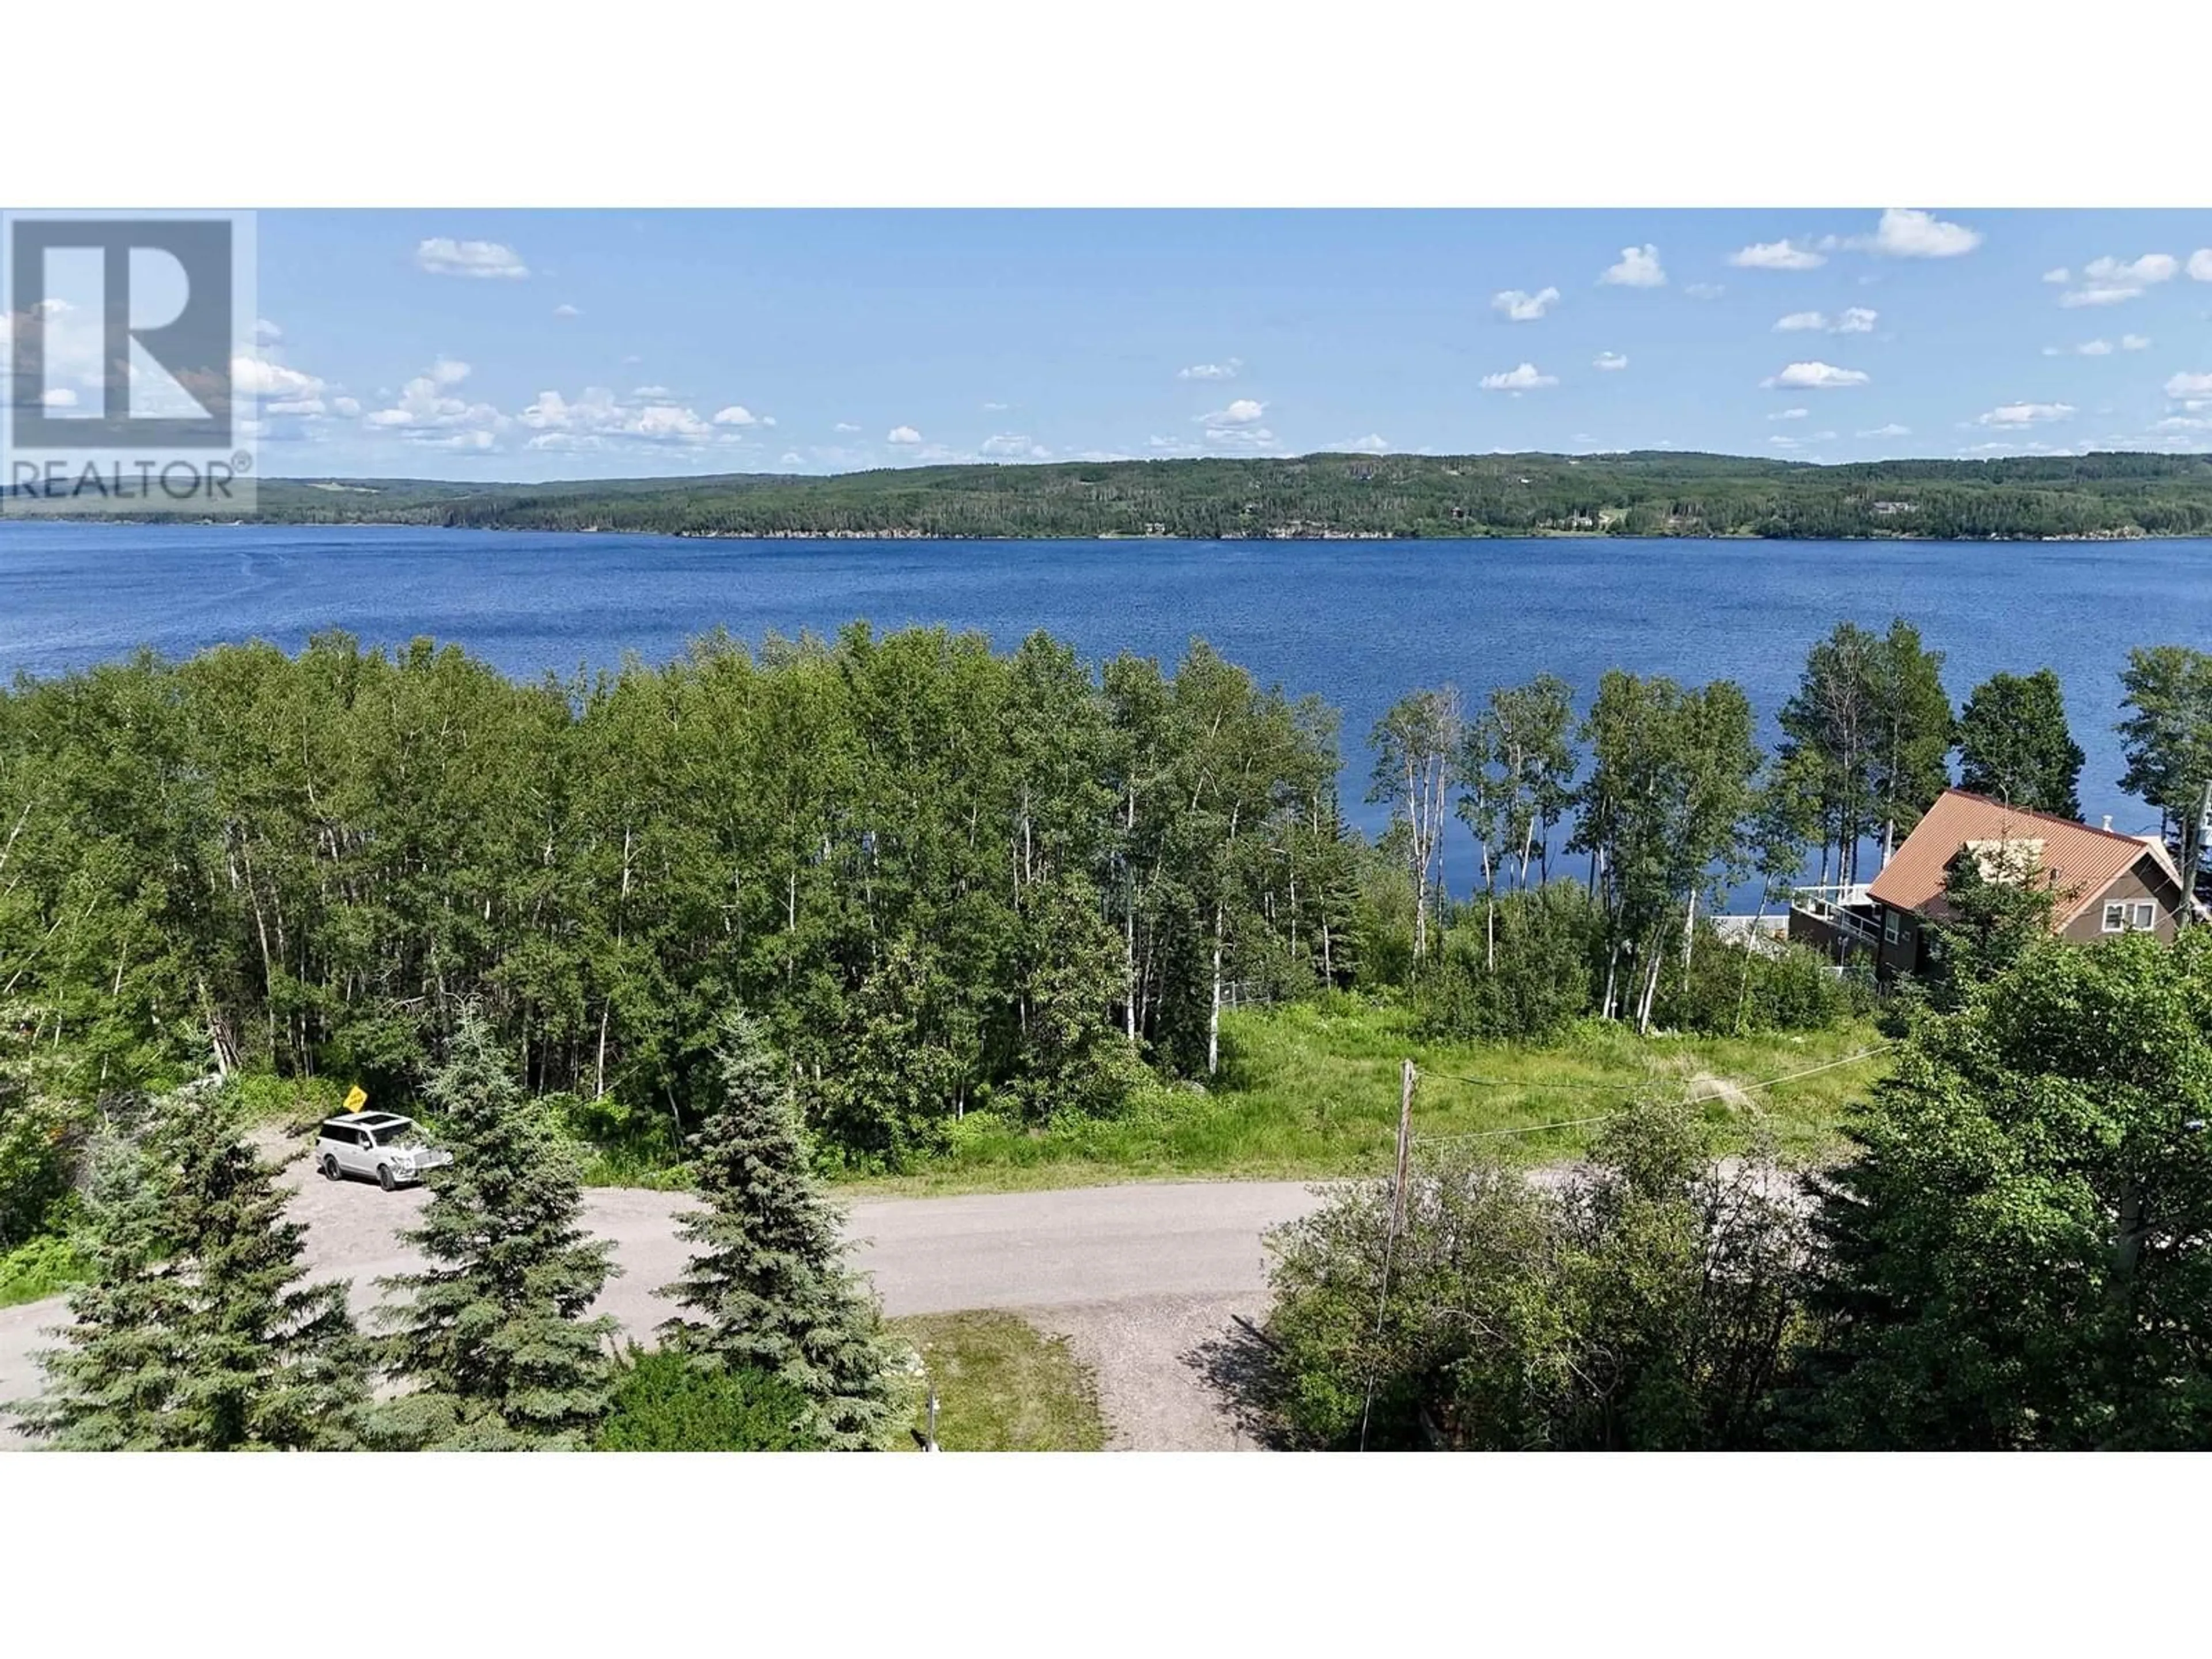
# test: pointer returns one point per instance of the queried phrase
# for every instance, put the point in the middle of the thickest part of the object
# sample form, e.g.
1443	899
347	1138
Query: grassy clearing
1311	1090
1002	1386
41	1268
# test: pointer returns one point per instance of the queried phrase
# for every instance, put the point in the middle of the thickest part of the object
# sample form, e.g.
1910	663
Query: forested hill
1644	493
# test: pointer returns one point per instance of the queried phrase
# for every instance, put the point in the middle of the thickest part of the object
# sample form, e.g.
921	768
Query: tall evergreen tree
2014	745
767	1276
196	1332
494	1334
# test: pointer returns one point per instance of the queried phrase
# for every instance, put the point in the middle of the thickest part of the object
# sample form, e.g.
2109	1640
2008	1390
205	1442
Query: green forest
1641	492
858	906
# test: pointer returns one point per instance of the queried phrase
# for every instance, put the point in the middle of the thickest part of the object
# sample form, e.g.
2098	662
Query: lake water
1359	623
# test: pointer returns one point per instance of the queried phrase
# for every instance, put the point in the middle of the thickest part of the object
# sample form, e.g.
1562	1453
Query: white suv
380	1144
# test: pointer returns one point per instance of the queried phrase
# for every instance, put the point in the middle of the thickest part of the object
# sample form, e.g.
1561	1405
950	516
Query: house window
1889	926
2120	915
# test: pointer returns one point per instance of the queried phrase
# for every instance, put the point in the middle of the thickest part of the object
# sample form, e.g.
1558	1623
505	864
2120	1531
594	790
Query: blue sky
530	346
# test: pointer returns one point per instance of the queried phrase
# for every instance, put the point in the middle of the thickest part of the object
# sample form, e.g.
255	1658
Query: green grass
41	1268
1310	1090
1002	1386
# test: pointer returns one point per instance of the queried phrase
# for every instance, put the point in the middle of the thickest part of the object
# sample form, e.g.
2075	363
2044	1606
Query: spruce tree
494	1337
768	1276
196	1332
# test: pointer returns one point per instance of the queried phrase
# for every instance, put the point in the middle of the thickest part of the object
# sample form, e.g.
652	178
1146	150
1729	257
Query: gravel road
1144	1279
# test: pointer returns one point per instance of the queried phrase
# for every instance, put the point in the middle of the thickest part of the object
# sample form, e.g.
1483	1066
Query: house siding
2144	880
1901	956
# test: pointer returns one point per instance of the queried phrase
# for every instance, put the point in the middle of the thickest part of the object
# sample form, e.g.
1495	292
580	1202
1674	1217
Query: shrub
1732	989
1523	973
43	1268
668	1401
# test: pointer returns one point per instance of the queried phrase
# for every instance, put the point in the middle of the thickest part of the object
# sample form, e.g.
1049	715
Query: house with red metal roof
2106	883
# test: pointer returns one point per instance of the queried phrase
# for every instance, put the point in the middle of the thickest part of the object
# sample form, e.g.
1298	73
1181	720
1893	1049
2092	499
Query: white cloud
2190	385
1817	377
2061	275
1854	319
441	256
1704	290
738	414
1373	444
2024	414
59	397
266	331
1892	430
567	311
1241	437
2107	282
902	435
2106	296
426	412
1776	256
597	419
348	407
659	393
1790	414
1609	360
1638	268
2086	348
2133	273
1911	234
2200	265
1527	378
1244	411
1016	444
258	377
1222	371
1524	307
2135	342
996	408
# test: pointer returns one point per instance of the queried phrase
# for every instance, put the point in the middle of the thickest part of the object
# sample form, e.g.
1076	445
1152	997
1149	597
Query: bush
1734	989
1528	983
1648	1305
41	1268
669	1401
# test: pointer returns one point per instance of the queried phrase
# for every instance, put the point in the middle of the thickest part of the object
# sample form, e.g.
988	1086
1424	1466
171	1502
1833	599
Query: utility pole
2192	850
1390	1236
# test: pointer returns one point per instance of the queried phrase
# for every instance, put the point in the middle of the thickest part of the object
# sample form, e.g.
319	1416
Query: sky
551	345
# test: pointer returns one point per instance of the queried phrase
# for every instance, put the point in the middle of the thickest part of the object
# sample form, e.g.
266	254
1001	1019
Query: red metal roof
2081	861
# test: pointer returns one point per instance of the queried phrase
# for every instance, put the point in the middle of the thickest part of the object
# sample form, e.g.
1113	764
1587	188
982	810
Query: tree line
946	880
1668	804
1642	493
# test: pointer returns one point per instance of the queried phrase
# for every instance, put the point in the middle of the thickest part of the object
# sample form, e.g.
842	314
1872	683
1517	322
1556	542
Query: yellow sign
357	1098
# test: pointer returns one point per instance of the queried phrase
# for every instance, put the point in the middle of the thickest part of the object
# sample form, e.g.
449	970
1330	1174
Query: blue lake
1358	622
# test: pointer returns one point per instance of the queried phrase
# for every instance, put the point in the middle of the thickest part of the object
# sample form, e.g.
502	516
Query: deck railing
1842	907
